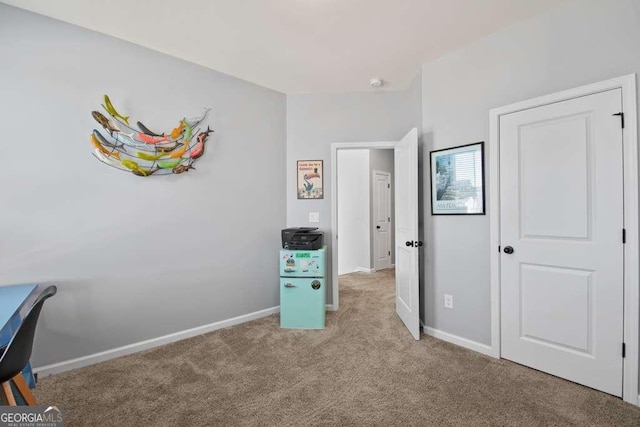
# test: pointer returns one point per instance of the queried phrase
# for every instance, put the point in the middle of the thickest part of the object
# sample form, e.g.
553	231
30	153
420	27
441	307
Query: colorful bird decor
143	152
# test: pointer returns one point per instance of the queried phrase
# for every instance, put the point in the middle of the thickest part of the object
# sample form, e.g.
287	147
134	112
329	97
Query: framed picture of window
457	180
310	179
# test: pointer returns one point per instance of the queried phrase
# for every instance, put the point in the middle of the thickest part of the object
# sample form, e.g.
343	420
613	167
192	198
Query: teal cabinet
302	302
302	289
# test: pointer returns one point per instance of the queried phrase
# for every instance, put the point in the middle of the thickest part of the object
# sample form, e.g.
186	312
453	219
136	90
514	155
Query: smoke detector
376	82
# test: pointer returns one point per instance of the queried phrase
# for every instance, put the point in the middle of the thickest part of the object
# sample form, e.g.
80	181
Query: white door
381	220
406	202
561	236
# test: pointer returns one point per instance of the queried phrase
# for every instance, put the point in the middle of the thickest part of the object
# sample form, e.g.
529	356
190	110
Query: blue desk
12	300
15	301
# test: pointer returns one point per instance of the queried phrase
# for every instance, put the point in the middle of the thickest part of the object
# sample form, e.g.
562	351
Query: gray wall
381	160
316	121
354	201
578	43
134	258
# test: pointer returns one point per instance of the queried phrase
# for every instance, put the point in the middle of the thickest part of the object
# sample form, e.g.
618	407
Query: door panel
561	210
381	219
404	296
406	202
556	306
565	211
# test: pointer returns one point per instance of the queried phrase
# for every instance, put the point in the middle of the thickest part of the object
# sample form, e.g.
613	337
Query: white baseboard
329	307
365	270
103	356
462	342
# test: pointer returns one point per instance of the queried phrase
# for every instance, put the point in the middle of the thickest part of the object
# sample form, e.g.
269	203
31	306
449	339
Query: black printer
302	238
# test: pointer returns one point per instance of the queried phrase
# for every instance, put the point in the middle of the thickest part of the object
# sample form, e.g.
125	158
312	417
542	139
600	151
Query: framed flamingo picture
310	179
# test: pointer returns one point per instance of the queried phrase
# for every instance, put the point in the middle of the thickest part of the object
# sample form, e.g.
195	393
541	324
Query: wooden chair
17	353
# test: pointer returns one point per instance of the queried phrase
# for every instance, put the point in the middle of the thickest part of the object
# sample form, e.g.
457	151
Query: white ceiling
296	46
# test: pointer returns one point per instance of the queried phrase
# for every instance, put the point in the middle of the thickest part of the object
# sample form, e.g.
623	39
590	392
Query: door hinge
624	350
389	253
388	219
388	185
624	235
621	114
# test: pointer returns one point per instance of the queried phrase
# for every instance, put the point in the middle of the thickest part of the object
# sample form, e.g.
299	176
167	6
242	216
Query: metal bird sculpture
146	130
143	152
198	149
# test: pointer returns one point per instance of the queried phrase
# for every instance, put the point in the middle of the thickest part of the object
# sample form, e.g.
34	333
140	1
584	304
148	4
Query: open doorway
406	243
366	221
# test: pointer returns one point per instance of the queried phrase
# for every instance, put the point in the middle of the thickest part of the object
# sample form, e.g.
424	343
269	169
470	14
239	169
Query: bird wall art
144	152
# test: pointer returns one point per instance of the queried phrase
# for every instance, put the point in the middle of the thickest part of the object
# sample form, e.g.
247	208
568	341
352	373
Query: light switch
314	216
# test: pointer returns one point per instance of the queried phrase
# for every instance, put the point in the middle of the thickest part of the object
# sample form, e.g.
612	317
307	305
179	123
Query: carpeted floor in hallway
363	369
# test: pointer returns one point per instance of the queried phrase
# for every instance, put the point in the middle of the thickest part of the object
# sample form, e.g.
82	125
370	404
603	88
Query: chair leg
3	399
8	393
23	389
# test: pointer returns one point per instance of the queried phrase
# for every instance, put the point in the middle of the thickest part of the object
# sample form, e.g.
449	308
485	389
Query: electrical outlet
314	216
448	301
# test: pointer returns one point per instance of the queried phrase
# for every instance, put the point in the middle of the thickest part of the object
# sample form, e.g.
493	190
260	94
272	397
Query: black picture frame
457	187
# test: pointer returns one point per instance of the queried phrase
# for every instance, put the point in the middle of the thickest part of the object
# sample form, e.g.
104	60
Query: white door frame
334	203
627	84
375	237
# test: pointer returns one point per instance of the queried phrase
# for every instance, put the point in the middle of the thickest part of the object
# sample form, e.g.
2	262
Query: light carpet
363	369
